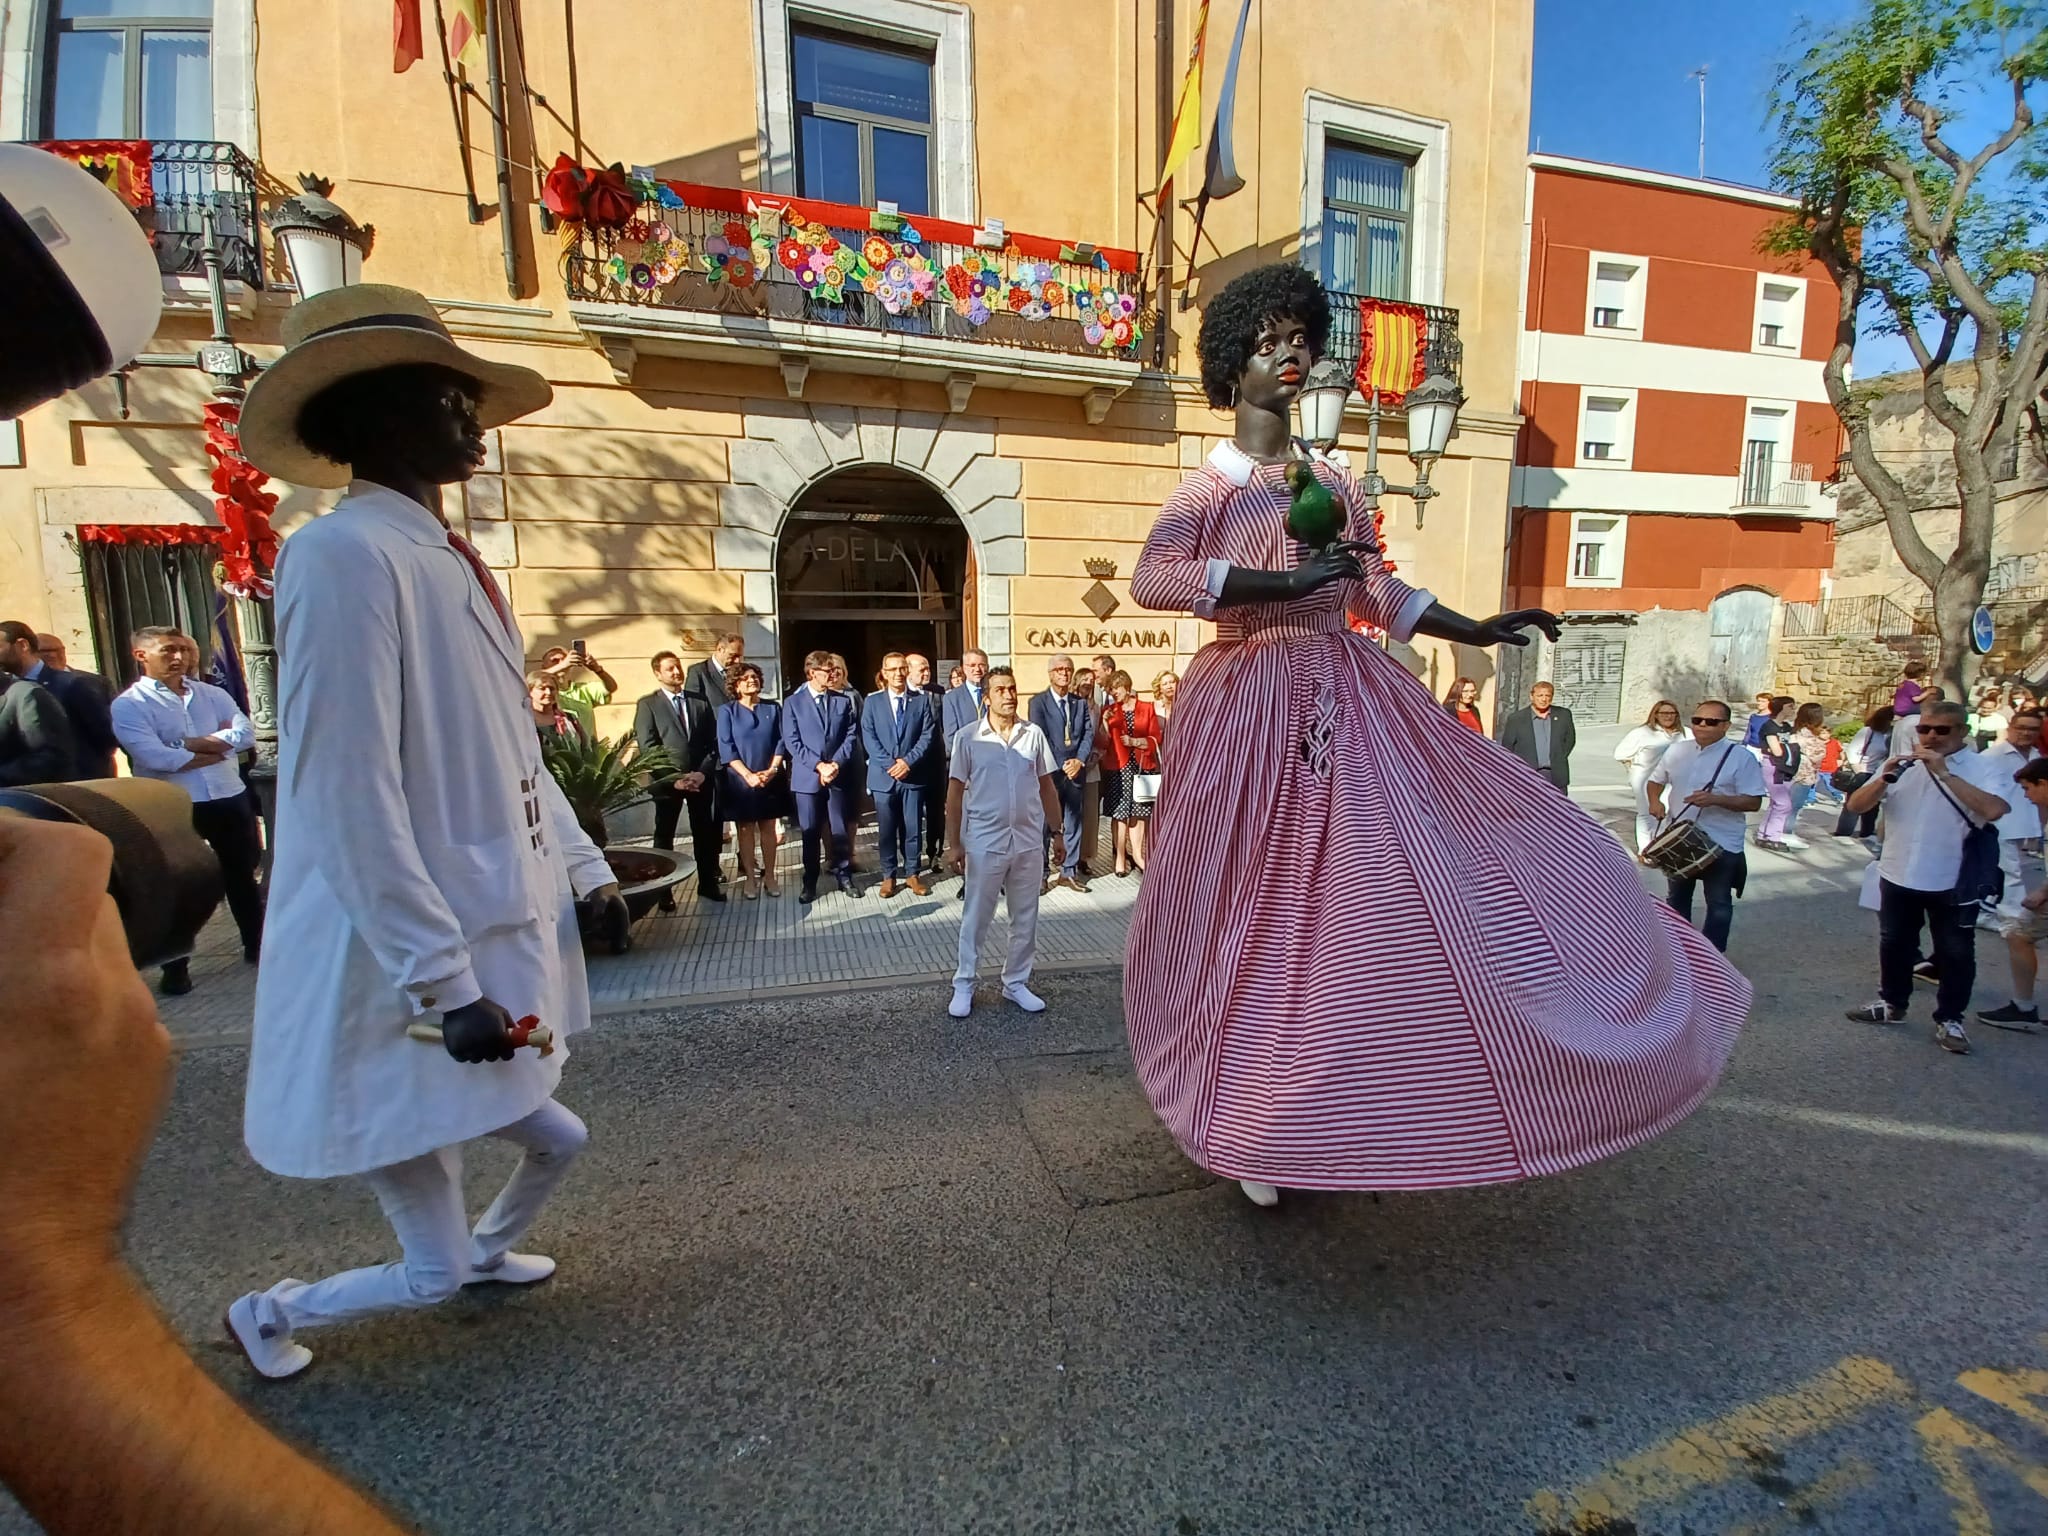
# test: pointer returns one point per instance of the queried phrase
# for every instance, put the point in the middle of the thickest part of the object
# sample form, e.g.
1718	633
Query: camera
165	881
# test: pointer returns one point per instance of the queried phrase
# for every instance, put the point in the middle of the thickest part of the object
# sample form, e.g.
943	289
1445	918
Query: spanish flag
1187	115
466	33
1391	336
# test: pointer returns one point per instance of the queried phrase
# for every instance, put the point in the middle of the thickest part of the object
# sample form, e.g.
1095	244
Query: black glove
605	912
1318	568
1442	623
478	1031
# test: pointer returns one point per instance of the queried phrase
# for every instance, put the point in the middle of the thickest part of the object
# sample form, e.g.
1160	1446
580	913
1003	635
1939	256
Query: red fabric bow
599	198
248	544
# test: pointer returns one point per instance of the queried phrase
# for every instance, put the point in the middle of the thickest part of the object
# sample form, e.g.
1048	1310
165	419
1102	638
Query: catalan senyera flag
466	32
406	47
1391	337
1187	112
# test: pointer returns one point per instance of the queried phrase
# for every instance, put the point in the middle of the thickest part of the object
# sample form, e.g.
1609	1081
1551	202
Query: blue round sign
1982	636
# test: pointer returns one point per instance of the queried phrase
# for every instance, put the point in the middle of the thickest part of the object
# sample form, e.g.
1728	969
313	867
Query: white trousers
422	1199
1017	879
1646	824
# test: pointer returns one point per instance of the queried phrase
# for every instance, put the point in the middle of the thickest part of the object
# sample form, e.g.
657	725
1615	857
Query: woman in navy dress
753	789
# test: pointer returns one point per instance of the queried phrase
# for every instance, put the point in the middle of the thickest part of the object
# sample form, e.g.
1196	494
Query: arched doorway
871	559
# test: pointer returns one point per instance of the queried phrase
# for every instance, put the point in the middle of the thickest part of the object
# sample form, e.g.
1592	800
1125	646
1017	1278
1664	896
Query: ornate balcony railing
1442	352
170	183
725	251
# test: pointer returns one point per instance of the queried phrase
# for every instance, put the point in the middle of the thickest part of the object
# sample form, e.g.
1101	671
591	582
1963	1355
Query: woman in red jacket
1131	768
1463	703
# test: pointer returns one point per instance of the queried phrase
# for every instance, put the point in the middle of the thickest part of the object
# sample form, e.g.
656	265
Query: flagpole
1162	347
476	214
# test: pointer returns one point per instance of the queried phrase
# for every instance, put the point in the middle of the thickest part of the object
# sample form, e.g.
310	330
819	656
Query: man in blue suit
896	731
1068	723
934	777
966	705
818	734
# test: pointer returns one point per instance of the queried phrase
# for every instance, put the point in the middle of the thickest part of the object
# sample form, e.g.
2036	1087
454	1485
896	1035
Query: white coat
424	857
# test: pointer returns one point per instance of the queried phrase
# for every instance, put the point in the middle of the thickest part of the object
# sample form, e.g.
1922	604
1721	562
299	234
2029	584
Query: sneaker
963	999
1799	844
270	1350
1948	1034
1025	998
2012	1016
1877	1013
1259	1194
514	1269
1926	972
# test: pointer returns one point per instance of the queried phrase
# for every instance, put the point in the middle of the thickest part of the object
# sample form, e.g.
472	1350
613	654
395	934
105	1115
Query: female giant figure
1376	951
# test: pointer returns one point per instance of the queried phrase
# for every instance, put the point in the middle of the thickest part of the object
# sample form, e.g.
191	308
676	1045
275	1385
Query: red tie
485	579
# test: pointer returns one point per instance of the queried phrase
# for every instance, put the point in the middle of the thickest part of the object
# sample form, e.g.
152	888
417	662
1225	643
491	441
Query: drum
1682	850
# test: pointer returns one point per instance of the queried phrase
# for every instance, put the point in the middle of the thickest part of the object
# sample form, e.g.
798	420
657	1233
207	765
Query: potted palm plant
599	779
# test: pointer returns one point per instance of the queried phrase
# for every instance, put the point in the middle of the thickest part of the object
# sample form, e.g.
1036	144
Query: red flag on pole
406	47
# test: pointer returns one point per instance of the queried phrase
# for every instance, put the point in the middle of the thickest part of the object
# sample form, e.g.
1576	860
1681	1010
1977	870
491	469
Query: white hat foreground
346	331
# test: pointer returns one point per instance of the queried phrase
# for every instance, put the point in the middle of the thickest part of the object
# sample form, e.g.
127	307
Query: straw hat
347	331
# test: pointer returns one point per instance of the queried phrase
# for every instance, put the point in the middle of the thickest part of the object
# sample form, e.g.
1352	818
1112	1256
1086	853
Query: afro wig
1231	321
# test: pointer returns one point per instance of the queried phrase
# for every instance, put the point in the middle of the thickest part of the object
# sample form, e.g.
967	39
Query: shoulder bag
1978	877
1144	786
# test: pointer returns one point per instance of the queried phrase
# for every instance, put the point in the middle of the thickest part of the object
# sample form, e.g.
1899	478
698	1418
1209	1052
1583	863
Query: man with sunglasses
1717	782
1933	797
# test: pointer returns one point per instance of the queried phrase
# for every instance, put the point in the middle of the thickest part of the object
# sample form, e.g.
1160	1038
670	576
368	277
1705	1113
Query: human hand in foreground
478	1031
956	860
84	1062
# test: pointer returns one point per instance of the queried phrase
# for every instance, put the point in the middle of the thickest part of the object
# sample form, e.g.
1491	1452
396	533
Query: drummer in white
1715	782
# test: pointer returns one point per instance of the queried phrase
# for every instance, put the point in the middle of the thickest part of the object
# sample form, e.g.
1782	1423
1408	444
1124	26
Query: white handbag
1870	898
1144	788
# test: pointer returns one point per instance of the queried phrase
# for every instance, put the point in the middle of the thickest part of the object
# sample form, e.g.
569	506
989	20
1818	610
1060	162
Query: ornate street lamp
1432	409
323	245
1324	394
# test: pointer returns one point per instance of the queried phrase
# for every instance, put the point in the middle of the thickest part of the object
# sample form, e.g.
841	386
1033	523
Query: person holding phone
582	699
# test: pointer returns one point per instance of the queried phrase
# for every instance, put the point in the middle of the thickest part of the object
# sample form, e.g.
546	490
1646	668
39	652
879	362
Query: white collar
162	687
1232	463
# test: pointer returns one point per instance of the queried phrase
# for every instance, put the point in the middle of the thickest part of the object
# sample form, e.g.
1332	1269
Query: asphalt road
861	1269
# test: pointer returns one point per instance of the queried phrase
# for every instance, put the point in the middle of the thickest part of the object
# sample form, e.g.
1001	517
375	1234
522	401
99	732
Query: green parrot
1315	516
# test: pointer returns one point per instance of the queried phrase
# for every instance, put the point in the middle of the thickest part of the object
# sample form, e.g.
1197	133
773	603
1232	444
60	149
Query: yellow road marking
2018	1391
1822	1491
1943	1440
1723	1448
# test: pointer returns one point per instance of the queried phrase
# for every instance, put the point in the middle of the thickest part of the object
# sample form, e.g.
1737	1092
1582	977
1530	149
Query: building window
864	121
1607	428
1780	314
1614	295
129	69
1368	213
1599	545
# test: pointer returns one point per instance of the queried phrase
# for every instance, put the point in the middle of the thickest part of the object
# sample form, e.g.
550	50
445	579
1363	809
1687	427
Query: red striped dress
1372	949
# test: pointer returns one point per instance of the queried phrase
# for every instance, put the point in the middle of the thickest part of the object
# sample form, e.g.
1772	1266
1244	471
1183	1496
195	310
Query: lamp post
325	249
1432	411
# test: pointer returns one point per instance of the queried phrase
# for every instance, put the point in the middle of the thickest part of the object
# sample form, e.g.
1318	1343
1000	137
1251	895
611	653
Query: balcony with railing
1774	484
723	274
1441	350
172	184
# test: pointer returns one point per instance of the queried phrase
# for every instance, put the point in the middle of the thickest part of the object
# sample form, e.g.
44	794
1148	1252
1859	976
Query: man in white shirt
997	809
1933	798
2019	860
1717	782
189	733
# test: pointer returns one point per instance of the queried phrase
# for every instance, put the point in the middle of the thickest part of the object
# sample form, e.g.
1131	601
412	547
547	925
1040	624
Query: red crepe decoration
248	546
148	533
599	198
121	165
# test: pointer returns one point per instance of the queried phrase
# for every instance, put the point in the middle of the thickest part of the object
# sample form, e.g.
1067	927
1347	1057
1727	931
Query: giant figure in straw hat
427	868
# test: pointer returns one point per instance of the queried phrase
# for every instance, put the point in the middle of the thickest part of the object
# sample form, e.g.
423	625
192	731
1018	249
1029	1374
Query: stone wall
1849	674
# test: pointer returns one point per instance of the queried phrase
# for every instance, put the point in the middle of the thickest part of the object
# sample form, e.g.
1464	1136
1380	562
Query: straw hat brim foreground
358	330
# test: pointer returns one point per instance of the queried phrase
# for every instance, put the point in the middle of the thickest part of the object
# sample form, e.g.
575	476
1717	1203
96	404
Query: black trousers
935	790
1901	912
229	827
704	831
1722	878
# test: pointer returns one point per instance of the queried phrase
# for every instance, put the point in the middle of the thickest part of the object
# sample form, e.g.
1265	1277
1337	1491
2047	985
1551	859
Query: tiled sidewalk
713	952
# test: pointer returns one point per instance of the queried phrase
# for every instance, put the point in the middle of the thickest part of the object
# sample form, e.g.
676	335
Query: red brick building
1677	441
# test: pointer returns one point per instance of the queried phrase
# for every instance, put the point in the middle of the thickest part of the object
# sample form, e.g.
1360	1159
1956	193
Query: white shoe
1260	1194
514	1269
270	1350
963	999
1025	998
1792	841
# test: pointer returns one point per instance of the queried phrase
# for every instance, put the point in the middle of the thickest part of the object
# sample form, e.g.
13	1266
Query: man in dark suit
896	731
818	734
37	745
934	768
1067	719
968	704
85	698
707	678
1543	735
671	717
